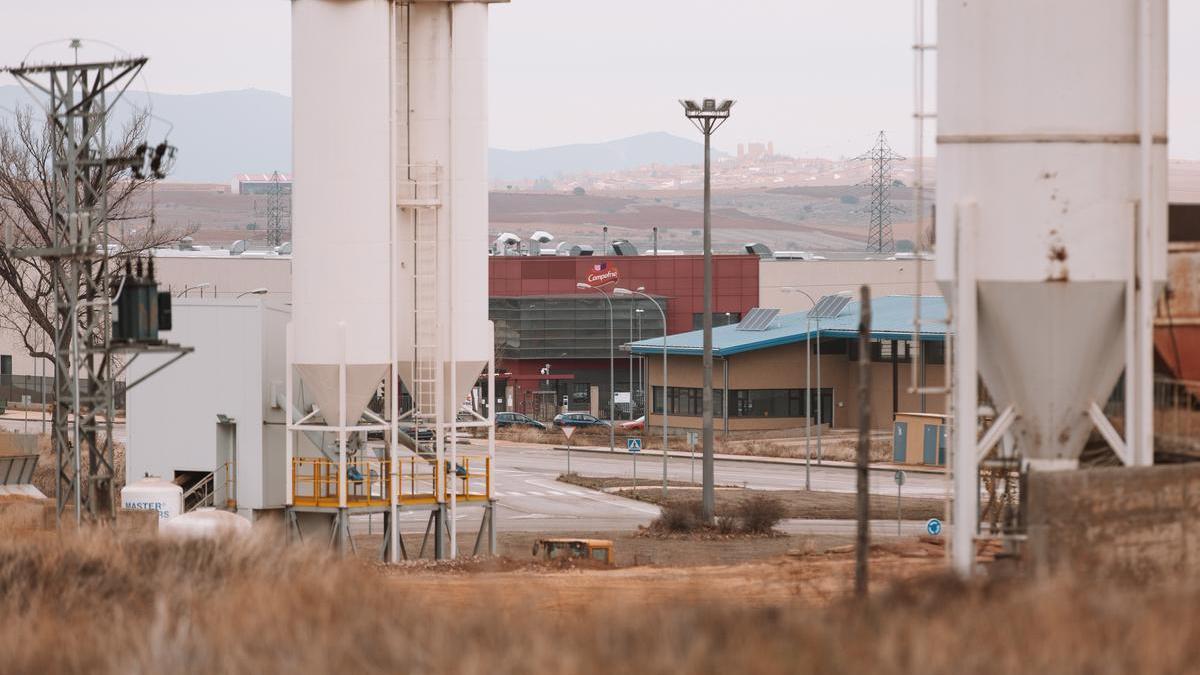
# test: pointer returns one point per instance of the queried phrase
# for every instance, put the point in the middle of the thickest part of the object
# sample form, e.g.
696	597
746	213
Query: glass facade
743	403
570	327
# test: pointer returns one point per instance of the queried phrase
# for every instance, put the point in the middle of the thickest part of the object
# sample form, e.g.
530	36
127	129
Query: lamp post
253	291
184	292
641	375
707	116
807	386
612	391
641	291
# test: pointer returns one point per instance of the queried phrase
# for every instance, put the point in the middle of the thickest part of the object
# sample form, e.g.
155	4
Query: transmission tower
881	156
79	98
278	212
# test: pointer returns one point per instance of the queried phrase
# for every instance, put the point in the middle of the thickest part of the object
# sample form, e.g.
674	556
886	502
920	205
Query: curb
788	461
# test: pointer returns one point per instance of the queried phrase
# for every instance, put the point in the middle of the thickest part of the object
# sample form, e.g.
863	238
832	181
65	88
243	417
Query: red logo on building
602	274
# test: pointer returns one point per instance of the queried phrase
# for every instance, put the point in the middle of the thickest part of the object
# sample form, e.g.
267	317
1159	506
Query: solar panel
759	318
829	306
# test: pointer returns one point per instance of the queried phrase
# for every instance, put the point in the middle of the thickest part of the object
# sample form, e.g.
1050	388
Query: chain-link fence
39	389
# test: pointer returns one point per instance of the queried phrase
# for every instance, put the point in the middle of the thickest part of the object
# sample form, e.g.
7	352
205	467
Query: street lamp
253	291
184	292
707	116
808	386
612	393
642	292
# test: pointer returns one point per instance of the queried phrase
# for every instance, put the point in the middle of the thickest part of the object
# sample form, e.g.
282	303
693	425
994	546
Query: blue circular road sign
933	526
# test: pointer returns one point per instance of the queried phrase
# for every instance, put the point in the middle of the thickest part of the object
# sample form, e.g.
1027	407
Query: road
531	500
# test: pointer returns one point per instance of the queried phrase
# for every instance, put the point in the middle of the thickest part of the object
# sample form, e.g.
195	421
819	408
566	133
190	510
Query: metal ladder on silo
426	364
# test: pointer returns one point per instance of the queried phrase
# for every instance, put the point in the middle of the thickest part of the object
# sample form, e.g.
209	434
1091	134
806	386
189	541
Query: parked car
579	420
633	425
514	419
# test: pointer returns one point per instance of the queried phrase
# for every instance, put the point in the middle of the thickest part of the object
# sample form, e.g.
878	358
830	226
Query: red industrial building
552	338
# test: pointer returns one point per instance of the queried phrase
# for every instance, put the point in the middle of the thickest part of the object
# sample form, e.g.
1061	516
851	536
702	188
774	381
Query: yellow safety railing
315	481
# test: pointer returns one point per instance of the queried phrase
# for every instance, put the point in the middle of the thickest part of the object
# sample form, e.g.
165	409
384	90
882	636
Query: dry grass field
102	603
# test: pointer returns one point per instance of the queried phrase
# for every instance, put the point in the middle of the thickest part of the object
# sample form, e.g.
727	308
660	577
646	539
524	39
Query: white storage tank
1038	152
341	272
206	523
154	494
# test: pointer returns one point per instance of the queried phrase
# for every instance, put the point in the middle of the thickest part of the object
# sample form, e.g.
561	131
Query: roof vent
624	247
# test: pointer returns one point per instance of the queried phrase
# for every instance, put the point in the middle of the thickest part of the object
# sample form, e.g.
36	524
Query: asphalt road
531	500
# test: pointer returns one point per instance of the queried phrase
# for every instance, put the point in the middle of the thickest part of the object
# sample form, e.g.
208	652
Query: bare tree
26	207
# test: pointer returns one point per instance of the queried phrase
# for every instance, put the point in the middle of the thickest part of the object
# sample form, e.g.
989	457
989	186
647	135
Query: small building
760	379
919	438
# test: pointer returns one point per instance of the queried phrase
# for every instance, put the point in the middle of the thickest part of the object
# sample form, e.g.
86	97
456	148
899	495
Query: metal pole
864	443
808	404
655	240
631	308
708	501
612	378
820	396
899	516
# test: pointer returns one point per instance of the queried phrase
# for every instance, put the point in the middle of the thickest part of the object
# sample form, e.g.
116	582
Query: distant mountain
624	153
224	133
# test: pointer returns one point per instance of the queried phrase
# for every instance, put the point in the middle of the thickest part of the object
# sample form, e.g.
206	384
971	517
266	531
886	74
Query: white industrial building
214	421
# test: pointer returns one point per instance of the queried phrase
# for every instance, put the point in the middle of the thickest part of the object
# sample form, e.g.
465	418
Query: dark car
513	419
579	420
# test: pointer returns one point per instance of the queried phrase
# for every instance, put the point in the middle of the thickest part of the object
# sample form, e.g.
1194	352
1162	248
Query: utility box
919	438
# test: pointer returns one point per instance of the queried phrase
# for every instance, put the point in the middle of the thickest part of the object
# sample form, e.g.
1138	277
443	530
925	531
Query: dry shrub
726	524
679	517
760	513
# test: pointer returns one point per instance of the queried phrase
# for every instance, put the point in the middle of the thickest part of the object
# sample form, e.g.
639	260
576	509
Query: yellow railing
315	481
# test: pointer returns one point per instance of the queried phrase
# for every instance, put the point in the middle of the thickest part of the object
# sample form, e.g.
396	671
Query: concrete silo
1051	229
390	245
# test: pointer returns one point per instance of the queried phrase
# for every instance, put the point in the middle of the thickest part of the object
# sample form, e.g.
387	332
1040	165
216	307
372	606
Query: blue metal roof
891	319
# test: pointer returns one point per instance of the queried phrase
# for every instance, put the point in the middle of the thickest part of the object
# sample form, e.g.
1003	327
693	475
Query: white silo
390	219
1051	165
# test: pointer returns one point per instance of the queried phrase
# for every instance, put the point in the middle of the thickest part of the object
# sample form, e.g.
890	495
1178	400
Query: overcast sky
818	77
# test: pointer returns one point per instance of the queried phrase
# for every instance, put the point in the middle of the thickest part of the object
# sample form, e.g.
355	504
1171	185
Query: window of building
881	351
5	364
688	401
719	319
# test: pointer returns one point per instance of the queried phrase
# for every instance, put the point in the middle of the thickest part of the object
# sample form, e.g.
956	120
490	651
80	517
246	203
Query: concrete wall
1143	521
784	368
825	277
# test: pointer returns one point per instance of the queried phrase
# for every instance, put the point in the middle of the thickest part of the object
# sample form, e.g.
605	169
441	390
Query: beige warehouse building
764	372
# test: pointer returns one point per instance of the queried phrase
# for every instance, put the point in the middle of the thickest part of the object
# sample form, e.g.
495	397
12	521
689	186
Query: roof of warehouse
891	319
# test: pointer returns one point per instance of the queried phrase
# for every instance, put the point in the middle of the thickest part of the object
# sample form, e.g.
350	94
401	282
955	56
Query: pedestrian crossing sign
633	444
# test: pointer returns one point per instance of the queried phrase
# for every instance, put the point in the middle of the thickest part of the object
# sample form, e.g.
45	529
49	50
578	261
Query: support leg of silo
439	534
425	537
491	517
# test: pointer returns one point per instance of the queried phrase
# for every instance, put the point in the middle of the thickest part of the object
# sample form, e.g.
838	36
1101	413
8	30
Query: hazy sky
818	77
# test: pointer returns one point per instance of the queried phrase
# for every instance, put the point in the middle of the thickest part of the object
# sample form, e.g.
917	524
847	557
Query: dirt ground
815	579
798	503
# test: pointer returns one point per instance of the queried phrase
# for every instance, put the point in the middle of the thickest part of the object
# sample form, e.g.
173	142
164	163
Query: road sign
633	444
567	431
693	438
933	526
899	478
